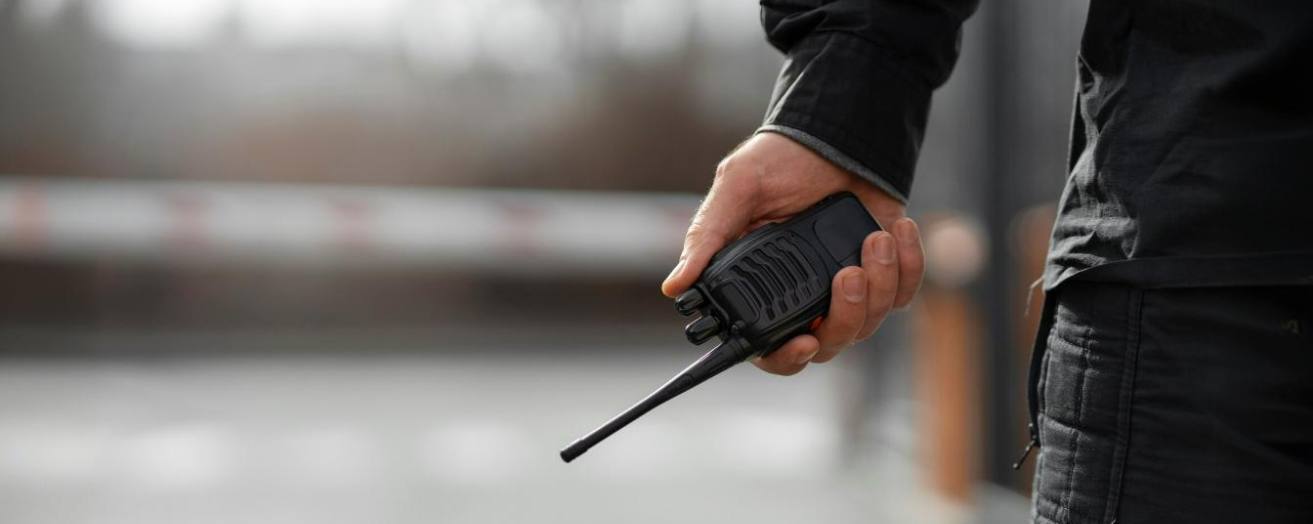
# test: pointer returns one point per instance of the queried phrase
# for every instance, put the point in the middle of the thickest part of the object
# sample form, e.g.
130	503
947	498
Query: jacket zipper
1025	453
1036	361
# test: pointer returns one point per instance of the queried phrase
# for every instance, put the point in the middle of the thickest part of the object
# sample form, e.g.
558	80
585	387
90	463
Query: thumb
722	216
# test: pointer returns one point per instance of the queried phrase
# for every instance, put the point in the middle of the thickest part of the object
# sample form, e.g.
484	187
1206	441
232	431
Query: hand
771	178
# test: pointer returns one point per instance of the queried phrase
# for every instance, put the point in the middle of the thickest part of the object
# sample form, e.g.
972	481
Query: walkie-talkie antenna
712	363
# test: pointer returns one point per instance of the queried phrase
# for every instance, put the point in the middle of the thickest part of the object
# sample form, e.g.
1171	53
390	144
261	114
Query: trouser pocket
1082	394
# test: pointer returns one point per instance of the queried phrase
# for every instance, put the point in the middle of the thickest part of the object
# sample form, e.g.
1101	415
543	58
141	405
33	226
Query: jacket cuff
837	158
846	99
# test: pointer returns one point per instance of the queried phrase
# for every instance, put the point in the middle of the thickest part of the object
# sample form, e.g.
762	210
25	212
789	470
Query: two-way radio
756	294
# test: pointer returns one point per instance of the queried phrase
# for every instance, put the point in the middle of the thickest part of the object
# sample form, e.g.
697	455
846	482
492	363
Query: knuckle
736	170
723	166
728	166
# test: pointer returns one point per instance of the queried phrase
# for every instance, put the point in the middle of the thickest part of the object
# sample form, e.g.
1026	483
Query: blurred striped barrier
479	230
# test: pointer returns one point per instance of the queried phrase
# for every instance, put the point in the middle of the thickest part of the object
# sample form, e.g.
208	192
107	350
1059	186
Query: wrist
836	157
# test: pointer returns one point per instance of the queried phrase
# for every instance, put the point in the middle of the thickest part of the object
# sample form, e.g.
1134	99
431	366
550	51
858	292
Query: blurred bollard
947	334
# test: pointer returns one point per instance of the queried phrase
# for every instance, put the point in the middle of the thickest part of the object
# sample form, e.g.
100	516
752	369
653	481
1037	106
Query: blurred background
378	260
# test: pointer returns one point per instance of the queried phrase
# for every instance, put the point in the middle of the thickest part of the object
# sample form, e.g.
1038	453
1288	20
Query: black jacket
1192	142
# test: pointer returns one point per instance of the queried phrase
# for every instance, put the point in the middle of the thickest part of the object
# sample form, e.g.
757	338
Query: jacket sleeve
857	81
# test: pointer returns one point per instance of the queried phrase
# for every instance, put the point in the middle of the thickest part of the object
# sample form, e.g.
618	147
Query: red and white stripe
543	232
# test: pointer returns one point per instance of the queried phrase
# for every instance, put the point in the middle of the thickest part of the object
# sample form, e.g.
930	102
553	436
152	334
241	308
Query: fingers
880	262
860	300
790	358
723	215
911	261
847	313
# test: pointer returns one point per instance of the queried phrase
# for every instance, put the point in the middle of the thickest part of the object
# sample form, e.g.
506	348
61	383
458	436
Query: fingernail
884	249
854	287
807	357
906	230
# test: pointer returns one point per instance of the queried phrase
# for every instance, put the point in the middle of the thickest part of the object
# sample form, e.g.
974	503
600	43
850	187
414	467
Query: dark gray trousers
1175	405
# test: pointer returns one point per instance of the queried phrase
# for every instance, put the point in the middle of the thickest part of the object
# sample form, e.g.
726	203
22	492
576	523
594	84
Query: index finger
721	216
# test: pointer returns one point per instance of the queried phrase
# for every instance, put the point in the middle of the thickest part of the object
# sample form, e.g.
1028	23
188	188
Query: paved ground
460	437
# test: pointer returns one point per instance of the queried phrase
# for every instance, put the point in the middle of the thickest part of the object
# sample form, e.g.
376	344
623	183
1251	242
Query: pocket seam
1130	363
